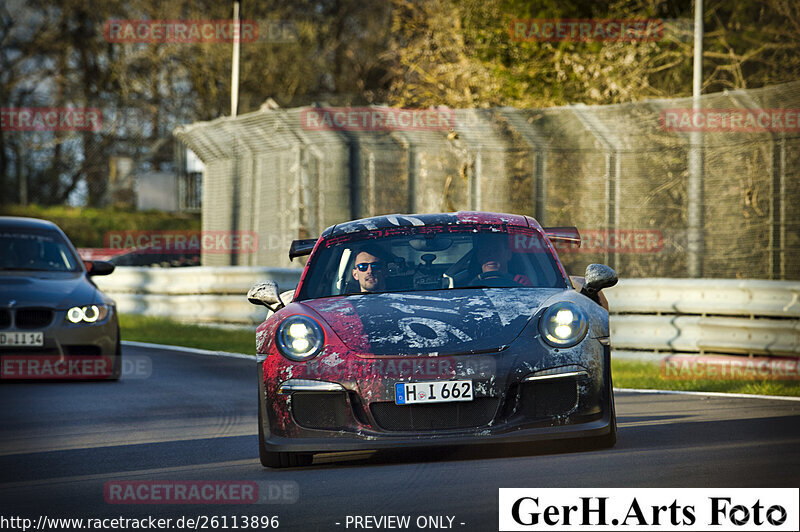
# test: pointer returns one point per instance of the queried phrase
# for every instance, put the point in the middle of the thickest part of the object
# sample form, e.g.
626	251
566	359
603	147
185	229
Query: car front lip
332	441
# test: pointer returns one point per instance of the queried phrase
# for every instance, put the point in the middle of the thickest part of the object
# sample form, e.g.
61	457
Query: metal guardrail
670	315
207	294
696	334
195	280
728	297
706	316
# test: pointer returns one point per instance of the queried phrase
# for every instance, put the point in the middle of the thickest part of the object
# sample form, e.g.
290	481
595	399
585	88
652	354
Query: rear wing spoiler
300	248
569	235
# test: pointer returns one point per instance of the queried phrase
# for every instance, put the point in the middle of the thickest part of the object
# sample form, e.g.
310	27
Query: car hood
432	322
56	290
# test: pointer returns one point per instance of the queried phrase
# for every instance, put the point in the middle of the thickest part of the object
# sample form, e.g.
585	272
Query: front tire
609	440
116	369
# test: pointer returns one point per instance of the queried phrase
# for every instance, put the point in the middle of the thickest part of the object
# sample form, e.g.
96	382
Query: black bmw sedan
54	321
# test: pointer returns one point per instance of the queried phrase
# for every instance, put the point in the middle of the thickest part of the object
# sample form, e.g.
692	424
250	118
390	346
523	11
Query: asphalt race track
193	417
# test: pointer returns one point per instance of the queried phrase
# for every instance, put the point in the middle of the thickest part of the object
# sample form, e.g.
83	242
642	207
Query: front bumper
69	351
515	406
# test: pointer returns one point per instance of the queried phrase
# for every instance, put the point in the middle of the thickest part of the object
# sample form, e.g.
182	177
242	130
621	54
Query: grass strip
647	375
171	332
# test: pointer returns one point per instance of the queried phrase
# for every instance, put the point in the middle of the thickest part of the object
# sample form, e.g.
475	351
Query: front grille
32	318
548	398
328	411
441	416
5	319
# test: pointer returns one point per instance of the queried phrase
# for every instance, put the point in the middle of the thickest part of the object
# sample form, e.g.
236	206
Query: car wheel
278	459
116	369
609	440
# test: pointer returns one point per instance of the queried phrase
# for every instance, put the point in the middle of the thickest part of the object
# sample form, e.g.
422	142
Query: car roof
448	218
19	222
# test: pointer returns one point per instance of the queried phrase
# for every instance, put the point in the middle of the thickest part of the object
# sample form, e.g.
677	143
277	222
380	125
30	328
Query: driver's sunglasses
364	266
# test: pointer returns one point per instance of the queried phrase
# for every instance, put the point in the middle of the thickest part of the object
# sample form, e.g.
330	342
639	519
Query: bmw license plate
406	393
18	339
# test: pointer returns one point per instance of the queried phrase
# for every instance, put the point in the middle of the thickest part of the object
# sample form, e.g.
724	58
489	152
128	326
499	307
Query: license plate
19	339
406	393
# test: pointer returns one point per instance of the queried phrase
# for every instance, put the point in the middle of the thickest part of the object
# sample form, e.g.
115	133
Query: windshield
36	251
431	258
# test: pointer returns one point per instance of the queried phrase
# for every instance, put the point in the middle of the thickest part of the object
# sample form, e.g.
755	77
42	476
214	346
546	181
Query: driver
369	269
493	258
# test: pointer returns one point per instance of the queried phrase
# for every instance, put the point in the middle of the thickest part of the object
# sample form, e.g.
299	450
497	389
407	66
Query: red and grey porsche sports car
432	329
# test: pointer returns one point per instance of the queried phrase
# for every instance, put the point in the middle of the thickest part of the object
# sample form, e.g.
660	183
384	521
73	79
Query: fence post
694	192
413	172
355	177
234	222
475	184
777	218
537	144
613	157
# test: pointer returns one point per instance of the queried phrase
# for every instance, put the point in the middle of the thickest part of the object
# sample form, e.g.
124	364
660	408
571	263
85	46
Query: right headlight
88	314
300	338
563	324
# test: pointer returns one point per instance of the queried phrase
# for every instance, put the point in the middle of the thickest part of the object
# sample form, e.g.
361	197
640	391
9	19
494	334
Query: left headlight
563	324
87	314
300	338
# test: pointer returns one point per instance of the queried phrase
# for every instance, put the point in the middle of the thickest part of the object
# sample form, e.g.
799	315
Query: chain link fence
619	173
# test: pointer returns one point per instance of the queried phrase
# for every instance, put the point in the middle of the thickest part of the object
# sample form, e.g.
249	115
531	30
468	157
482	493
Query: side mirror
598	276
266	294
98	267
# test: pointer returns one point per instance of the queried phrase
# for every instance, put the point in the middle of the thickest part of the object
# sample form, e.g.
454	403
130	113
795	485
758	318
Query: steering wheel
495	279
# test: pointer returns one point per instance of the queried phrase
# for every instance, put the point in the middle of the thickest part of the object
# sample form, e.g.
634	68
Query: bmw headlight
87	314
563	324
300	338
